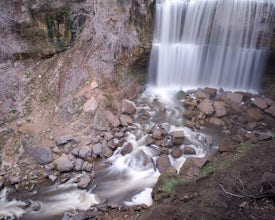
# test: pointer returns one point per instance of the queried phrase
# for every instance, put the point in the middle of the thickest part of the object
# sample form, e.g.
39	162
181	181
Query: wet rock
190	102
268	101
253	114
177	152
84	182
113	120
216	121
206	107
212	92
264	136
156	134
126	149
171	170
189	150
251	126
271	110
181	95
177	137
128	107
90	106
41	154
64	139
97	150
126	120
220	109
84	152
225	145
163	163
209	140
149	140
64	164
235	97
78	164
107	152
189	113
52	178
259	103
202	95
87	166
188	124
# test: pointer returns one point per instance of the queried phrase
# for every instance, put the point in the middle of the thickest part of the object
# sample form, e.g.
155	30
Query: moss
13	111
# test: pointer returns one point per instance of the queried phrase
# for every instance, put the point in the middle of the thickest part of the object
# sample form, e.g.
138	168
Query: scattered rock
126	149
212	92
126	120
192	166
220	109
265	137
97	150
190	102
216	121
259	103
271	110
107	152
206	107
111	118
84	182
156	134
235	97
64	139
90	106
78	164
84	152
163	163
202	95
177	152
189	150
87	166
64	164
149	140
100	122
253	114
177	137
128	107
41	154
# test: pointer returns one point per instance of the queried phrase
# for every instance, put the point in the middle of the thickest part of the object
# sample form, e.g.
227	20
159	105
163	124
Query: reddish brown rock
206	107
163	163
220	109
212	92
156	134
259	103
271	110
202	95
189	150
235	97
225	145
178	137
190	102
177	152
253	115
126	149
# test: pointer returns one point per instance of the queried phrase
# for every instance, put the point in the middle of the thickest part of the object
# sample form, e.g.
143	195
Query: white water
127	180
217	43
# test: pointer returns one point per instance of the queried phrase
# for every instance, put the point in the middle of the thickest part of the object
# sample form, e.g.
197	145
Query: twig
231	194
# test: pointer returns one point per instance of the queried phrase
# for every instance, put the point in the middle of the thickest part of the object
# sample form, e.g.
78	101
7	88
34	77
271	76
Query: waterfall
217	43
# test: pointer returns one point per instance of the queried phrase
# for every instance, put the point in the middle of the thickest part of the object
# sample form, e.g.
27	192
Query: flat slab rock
41	154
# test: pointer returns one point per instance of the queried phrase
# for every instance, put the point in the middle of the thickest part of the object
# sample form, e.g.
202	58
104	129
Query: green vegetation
110	101
181	95
13	111
27	74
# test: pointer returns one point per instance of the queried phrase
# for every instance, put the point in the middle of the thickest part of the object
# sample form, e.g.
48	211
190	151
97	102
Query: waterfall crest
216	43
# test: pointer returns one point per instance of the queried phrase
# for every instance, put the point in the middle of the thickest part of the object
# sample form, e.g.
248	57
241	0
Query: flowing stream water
214	43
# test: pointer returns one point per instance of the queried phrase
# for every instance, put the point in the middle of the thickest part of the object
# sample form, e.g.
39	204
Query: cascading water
218	43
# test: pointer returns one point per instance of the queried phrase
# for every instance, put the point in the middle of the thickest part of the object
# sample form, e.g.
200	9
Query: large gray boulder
64	164
41	154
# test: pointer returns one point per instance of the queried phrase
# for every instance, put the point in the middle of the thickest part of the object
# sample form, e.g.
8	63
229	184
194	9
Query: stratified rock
128	107
126	149
206	107
84	152
177	137
189	150
177	152
259	103
41	154
126	120
90	106
163	163
235	97
84	181
97	150
64	139
253	114
63	163
220	109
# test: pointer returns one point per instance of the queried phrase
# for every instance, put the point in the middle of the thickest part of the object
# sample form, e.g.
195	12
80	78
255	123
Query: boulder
112	118
87	166
107	152
41	154
206	107
149	140
163	163
212	92
84	152
177	152
189	113
64	139
192	166
90	106
100	122
190	102
189	150
259	103
216	121
78	164
97	150
156	134
177	137
235	97
225	145
220	109
128	107
202	95
253	115
271	110
84	181
126	149
126	120
64	164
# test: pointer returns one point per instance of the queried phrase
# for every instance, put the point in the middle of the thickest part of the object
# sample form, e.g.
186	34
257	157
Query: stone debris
64	139
64	164
128	107
41	154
